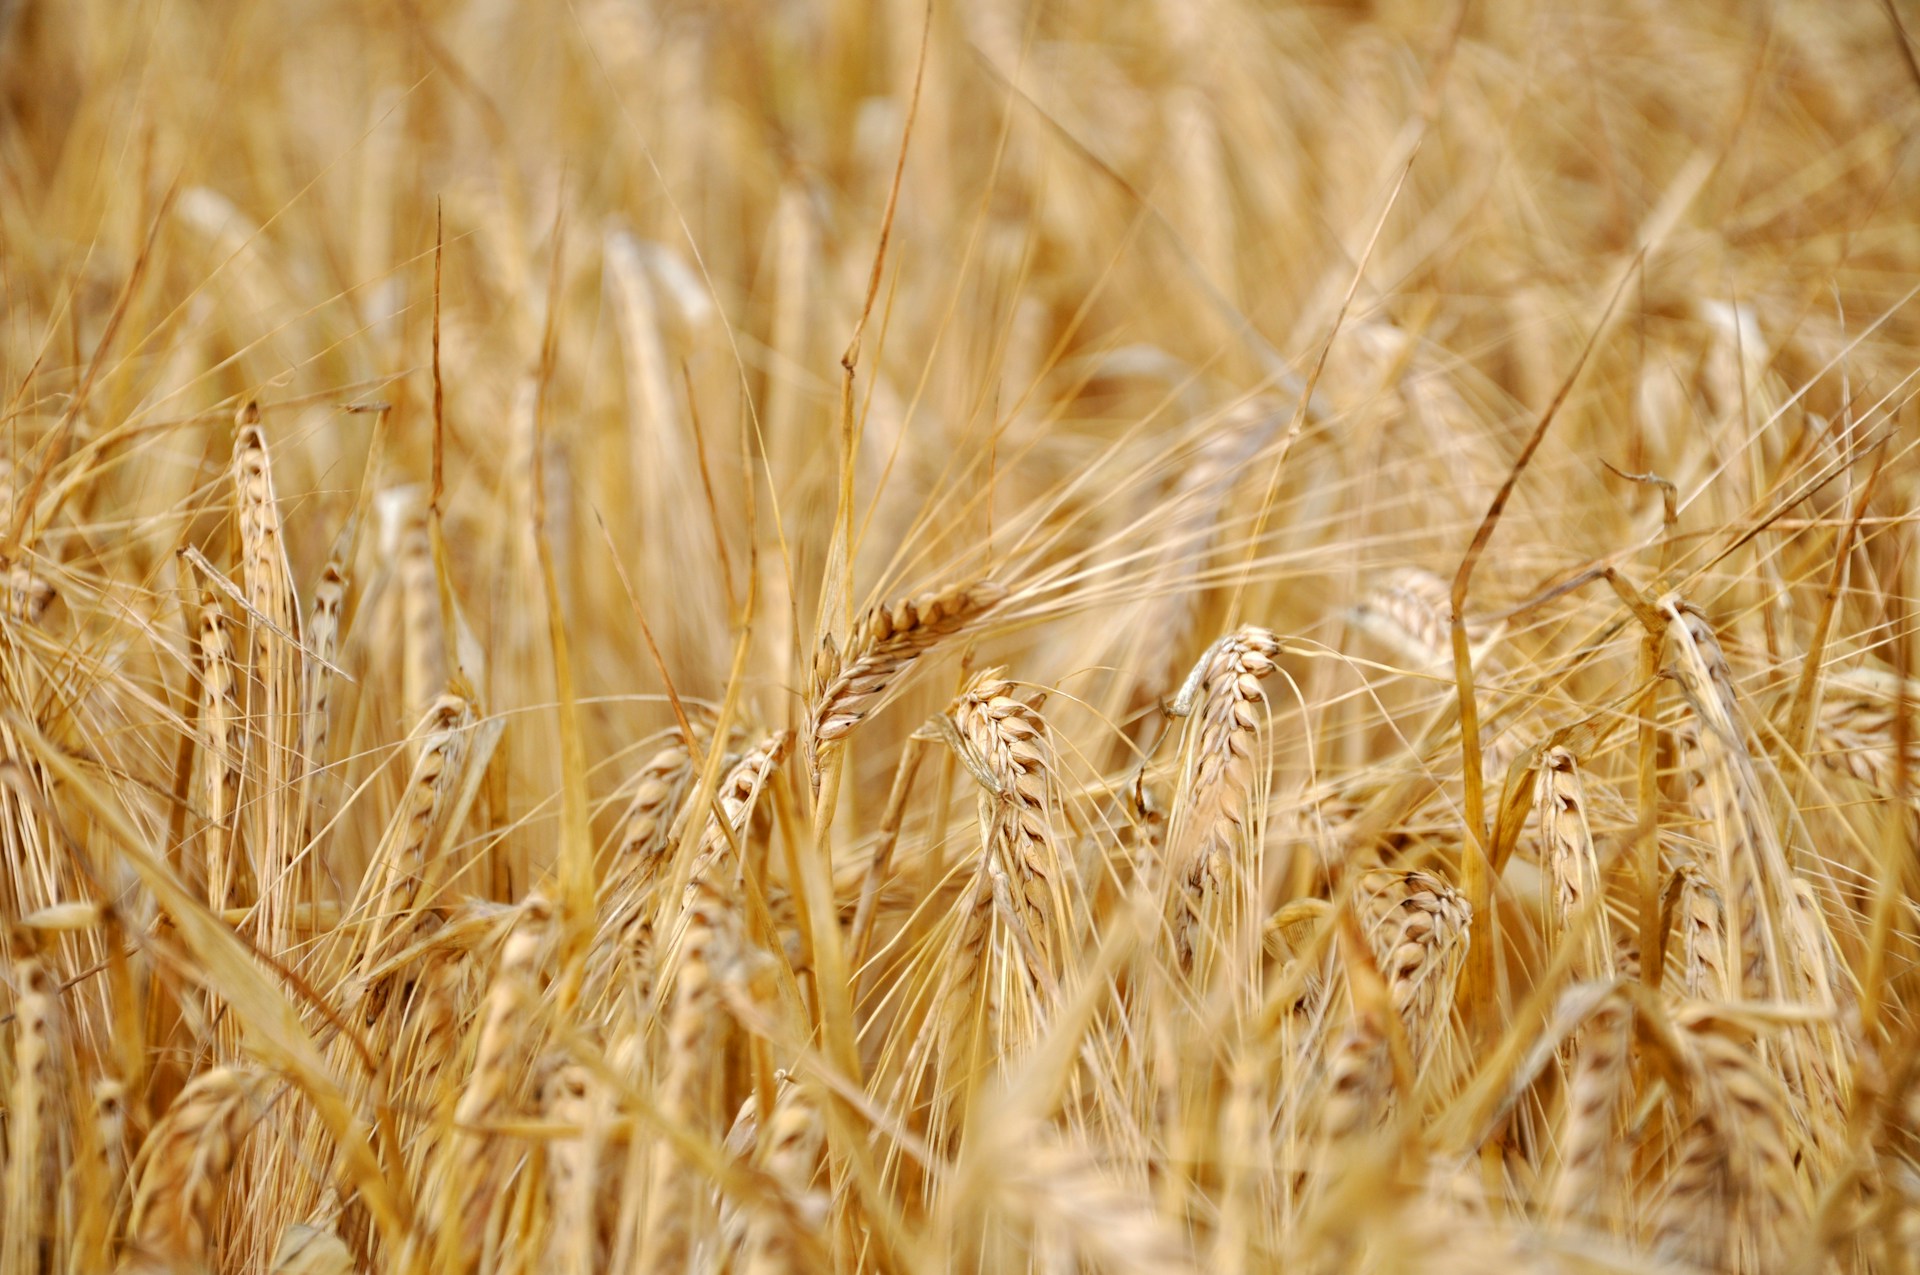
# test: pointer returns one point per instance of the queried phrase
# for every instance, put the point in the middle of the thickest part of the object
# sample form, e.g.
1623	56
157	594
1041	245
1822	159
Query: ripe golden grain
517	780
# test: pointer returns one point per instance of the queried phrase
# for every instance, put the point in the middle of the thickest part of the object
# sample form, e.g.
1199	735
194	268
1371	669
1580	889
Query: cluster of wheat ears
1031	635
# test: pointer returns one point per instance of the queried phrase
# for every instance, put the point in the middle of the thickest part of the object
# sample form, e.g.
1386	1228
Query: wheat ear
276	698
305	1249
402	871
323	639
1225	706
462	1183
223	747
738	793
782	1237
574	1096
1589	1147
1008	739
1572	868
184	1165
850	684
32	1118
708	941
1418	927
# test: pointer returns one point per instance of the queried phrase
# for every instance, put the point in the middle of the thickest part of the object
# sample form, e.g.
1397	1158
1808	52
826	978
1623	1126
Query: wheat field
959	635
